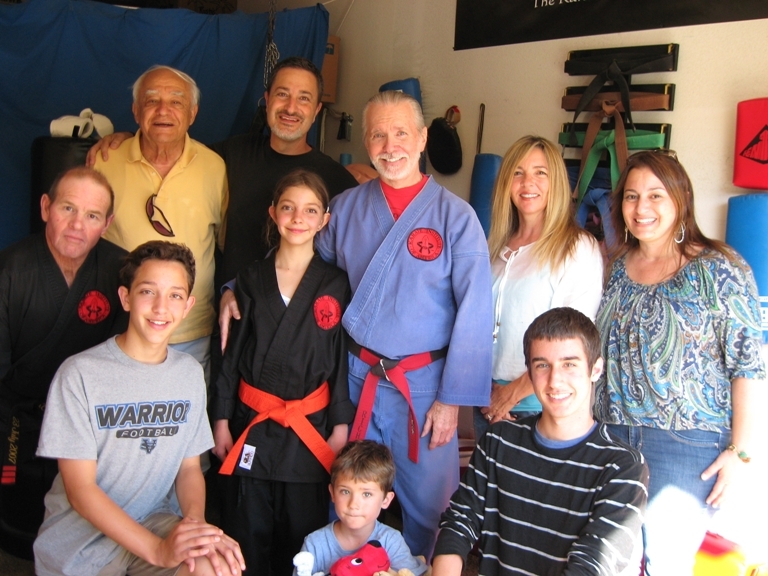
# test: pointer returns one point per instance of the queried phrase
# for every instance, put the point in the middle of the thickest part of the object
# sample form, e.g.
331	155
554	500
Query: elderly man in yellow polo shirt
170	187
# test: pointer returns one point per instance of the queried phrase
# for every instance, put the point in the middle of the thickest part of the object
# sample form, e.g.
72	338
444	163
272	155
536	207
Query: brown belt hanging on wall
607	105
608	110
616	65
639	101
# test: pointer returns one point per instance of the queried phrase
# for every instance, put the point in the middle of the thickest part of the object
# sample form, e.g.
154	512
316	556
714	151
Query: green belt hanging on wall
606	140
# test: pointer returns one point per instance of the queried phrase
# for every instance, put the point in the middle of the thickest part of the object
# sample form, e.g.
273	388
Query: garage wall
521	85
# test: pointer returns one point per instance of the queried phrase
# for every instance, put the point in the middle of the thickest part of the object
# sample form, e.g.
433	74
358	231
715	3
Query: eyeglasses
667	152
157	218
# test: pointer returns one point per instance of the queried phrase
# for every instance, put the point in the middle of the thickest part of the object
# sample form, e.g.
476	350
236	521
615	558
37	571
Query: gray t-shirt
139	421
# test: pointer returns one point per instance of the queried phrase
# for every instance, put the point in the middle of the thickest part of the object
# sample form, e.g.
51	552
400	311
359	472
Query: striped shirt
541	511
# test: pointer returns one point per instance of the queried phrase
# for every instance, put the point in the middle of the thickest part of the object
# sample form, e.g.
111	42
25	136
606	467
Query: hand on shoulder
103	146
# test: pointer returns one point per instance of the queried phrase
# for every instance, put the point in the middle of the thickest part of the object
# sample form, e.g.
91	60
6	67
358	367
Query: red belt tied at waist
288	413
393	371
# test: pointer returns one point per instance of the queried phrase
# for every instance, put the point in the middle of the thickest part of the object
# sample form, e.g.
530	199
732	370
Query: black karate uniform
42	323
253	170
288	352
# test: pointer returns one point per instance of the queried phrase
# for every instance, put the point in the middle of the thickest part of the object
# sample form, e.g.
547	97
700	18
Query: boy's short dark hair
563	324
157	250
365	460
301	64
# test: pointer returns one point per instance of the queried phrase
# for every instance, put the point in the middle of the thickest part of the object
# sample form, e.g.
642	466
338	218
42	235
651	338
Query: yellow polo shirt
193	197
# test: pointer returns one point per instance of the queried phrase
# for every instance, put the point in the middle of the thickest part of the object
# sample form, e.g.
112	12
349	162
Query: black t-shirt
253	170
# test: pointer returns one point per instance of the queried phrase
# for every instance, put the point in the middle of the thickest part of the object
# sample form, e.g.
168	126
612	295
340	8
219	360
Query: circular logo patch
327	312
93	308
425	244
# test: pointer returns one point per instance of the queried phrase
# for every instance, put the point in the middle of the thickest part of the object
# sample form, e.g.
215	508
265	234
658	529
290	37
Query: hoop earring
682	234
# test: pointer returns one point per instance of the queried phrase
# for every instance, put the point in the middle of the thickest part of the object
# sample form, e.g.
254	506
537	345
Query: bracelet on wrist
740	453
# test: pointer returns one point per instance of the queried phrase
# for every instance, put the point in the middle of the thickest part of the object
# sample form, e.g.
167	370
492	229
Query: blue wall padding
484	174
410	86
747	232
60	56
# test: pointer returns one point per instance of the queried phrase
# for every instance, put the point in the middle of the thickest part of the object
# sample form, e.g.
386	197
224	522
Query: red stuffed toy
370	559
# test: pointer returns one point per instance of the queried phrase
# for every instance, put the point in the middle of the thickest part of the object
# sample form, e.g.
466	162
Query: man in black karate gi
58	297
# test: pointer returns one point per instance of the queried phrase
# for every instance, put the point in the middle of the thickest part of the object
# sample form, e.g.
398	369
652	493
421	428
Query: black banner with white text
481	23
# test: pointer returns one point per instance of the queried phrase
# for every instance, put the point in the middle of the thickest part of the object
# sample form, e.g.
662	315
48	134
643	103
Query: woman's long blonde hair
560	234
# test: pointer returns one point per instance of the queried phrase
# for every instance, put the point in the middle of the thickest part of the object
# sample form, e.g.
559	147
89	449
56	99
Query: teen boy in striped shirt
550	494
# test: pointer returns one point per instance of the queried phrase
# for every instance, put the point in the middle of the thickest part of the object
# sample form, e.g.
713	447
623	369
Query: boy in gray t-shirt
127	421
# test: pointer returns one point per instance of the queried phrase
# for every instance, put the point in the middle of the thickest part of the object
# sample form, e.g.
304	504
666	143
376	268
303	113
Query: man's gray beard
395	174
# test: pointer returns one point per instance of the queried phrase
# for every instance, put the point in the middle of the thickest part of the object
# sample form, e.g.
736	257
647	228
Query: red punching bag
750	160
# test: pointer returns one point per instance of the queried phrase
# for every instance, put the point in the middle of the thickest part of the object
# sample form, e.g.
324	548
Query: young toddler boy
362	476
127	421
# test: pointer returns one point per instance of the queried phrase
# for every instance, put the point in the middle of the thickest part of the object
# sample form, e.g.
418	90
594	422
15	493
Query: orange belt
287	413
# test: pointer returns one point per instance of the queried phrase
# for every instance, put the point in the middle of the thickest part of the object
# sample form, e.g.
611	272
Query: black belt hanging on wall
611	94
611	131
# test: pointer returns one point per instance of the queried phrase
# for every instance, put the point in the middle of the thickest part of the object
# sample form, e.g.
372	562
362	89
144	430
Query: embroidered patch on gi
248	456
327	312
93	308
425	244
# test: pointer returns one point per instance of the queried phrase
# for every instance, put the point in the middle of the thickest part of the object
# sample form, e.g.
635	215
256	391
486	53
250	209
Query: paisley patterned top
672	349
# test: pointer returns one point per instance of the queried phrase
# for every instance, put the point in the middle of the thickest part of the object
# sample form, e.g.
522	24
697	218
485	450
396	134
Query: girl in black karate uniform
281	404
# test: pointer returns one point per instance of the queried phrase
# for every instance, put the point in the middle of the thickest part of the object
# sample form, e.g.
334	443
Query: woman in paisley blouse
680	324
